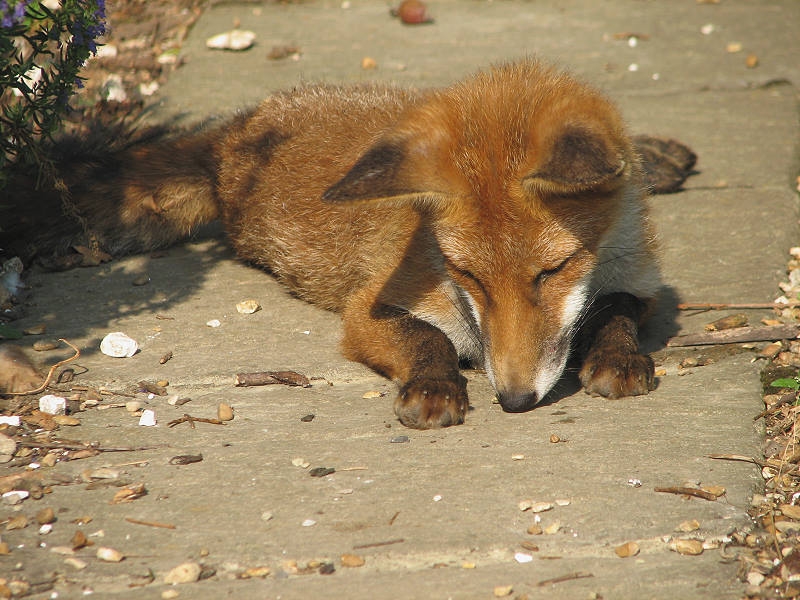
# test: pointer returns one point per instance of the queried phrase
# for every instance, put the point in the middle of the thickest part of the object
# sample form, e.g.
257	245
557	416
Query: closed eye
546	274
467	275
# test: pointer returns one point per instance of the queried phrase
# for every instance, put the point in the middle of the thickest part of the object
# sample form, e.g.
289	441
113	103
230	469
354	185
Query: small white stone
15	496
12	420
148	418
707	29
523	558
118	345
213	323
309	523
437	498
53	405
109	554
45	529
236	39
633	67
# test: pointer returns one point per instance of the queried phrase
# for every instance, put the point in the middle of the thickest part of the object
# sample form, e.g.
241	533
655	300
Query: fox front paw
431	403
617	374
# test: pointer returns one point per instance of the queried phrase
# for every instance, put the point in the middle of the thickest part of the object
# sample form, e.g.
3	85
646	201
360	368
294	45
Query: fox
500	222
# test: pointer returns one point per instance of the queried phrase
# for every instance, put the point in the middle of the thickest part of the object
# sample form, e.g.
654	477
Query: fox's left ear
378	174
578	159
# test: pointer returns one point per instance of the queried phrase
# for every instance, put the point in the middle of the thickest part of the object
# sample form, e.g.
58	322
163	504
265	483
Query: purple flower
12	16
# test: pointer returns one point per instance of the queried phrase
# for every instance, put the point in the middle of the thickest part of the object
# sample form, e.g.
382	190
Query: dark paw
431	403
615	375
666	163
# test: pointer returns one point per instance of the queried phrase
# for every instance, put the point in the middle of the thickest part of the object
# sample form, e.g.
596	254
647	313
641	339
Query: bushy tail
113	192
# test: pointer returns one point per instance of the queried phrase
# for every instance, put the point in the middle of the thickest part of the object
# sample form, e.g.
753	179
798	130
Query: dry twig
687	491
563	578
192	420
736	336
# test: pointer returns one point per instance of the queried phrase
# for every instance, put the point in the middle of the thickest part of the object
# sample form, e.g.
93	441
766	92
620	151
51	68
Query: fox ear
579	159
377	174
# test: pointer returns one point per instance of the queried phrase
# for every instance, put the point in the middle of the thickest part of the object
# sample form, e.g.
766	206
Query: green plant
793	383
43	46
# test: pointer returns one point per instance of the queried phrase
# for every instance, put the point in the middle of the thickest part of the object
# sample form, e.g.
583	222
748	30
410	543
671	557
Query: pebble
523	558
247	307
689	547
352	560
109	554
309	523
224	412
12	420
213	323
45	516
148	418
118	345
236	39
627	550
400	439
53	405
188	572
15	496
170	594
75	563
45	345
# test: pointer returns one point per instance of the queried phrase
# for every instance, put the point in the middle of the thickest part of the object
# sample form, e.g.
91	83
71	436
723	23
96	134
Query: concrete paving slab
424	512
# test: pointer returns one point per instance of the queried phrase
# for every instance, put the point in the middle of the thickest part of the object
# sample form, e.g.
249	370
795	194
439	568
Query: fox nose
517	401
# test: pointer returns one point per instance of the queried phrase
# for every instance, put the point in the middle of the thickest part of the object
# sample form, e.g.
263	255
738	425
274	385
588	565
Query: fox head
524	177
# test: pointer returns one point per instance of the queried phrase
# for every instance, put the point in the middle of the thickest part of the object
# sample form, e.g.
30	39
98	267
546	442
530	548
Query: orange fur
491	220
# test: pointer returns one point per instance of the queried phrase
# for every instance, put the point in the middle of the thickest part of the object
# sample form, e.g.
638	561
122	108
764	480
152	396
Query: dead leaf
129	493
729	322
18	522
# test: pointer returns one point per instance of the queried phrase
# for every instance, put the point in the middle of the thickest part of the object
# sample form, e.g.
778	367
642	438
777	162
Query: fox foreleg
415	354
613	366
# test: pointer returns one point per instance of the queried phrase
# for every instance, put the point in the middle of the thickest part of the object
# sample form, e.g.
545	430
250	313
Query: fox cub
500	220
